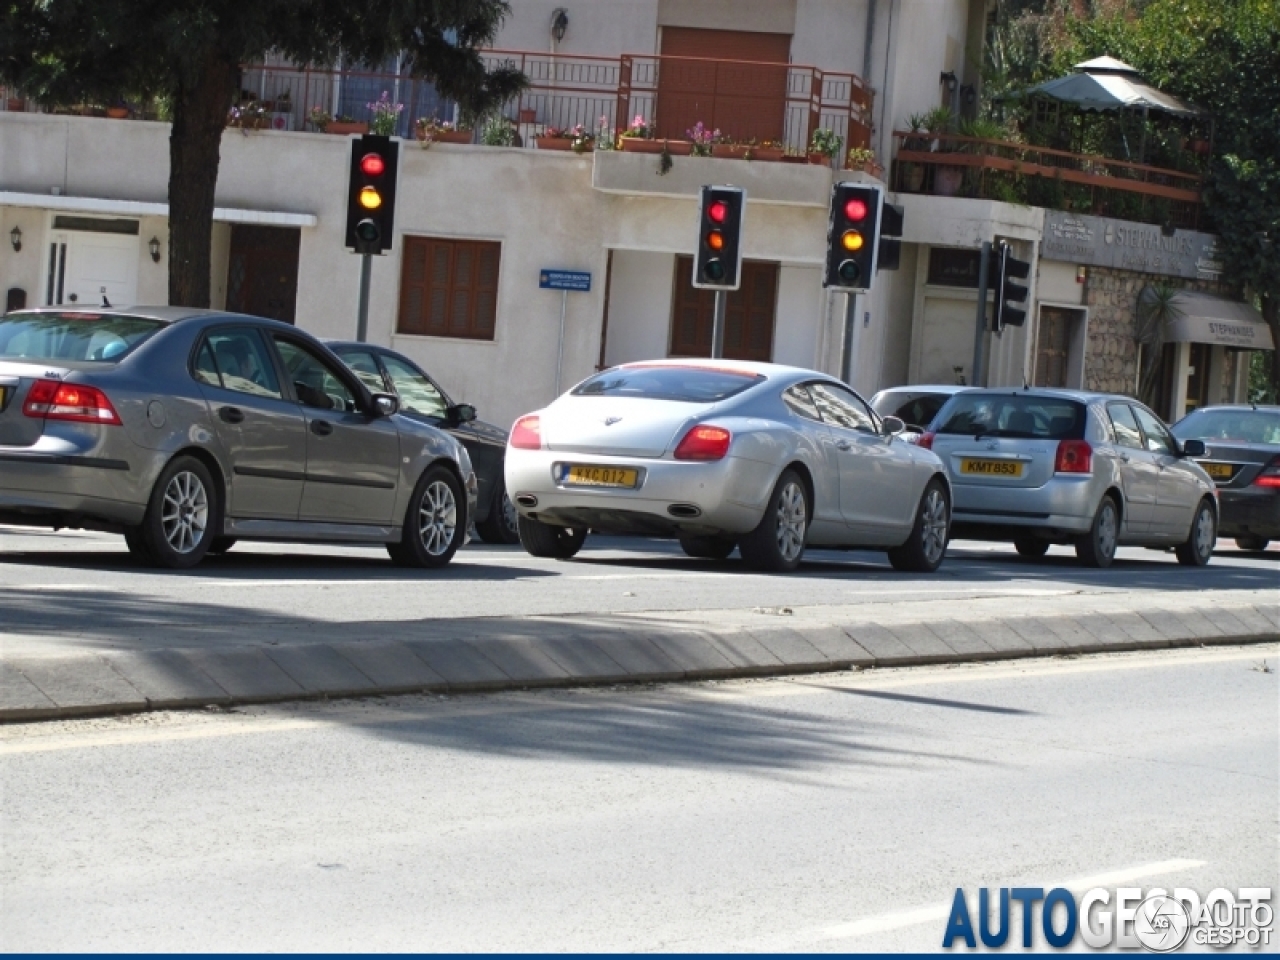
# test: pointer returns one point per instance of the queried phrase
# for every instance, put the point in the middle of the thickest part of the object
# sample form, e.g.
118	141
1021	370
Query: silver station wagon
186	430
1039	467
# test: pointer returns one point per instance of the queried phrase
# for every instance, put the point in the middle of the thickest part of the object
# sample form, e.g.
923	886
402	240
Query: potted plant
248	116
498	131
319	118
344	126
118	110
726	148
824	145
580	140
771	151
553	138
430	130
638	138
384	115
794	156
864	159
701	140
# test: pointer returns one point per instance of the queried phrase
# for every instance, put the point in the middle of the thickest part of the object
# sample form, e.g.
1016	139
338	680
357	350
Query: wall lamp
559	23
154	246
15	237
951	80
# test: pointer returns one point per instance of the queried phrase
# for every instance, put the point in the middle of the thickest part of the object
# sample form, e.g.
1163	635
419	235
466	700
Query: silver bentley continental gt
722	454
187	430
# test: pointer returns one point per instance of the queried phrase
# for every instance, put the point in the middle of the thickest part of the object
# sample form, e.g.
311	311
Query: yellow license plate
1219	471
991	468
3	397
601	476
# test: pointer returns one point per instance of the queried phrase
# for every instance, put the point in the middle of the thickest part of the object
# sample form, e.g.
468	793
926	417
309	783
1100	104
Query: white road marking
941	911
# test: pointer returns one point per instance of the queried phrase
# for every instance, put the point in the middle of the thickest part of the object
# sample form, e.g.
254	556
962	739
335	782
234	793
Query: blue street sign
564	280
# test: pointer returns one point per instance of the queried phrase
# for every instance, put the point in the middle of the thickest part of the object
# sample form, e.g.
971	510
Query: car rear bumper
725	496
1065	504
52	484
1251	510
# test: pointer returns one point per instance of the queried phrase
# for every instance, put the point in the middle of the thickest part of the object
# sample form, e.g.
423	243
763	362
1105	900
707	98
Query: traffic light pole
717	326
846	349
980	330
362	312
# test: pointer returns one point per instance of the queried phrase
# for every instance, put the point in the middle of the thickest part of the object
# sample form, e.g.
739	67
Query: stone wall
1111	355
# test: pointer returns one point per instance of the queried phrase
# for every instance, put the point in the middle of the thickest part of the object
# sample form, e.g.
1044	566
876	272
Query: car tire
707	548
1032	548
177	529
1252	544
435	522
555	543
501	526
927	546
1097	548
137	546
777	543
221	545
1197	549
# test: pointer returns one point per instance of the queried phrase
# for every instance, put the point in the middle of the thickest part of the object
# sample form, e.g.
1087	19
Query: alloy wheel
437	518
1206	535
509	512
933	531
1107	529
185	512
791	522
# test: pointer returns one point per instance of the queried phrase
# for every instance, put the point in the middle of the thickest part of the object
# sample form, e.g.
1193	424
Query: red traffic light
372	165
855	209
717	211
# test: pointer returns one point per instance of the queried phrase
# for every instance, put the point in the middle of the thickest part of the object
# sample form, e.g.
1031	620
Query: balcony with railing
953	165
744	100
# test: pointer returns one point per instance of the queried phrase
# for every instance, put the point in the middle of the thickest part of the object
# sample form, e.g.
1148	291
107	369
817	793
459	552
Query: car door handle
231	414
321	428
843	445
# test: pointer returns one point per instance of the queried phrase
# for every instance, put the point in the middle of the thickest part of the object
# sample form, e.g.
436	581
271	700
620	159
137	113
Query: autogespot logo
1157	920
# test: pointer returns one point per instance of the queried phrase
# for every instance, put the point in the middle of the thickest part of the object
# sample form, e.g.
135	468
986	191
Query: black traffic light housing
371	193
853	236
717	264
1008	270
890	252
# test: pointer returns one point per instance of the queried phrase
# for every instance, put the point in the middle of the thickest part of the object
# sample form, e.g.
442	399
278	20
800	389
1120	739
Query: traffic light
1009	293
853	236
891	220
718	263
371	193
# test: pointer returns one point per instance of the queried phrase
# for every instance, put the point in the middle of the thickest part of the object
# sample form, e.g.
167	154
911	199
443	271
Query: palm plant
1157	310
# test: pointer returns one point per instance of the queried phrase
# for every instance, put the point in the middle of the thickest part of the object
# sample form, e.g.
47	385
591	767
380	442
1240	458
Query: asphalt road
74	590
827	813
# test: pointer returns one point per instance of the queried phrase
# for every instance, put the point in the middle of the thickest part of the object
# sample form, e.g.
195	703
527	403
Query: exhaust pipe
526	500
684	511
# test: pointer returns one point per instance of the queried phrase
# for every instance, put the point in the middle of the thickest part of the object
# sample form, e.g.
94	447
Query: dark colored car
187	430
1242	456
422	398
916	406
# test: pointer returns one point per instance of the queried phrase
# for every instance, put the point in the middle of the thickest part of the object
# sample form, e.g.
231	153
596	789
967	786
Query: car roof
927	388
770	370
163	314
1083	396
1259	407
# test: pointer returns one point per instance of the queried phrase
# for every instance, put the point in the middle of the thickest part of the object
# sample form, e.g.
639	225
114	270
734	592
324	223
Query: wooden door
1053	347
748	320
1199	362
262	275
742	100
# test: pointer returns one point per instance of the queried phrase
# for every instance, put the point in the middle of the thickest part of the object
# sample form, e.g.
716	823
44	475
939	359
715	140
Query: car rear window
685	384
918	411
100	337
1238	426
1013	415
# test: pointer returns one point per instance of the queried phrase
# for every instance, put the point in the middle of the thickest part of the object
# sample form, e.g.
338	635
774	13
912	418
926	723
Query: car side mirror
1193	448
385	404
892	426
462	413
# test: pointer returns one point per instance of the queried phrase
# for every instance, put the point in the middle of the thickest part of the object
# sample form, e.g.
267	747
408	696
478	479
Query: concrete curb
511	653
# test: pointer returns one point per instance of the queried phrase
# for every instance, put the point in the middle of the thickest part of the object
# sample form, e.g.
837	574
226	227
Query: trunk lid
1244	461
618	426
986	460
16	379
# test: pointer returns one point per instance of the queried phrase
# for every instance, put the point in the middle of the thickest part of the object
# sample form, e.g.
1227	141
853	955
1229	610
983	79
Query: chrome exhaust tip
526	500
684	511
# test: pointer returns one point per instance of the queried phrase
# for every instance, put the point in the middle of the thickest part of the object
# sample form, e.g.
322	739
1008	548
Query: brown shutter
449	288
749	314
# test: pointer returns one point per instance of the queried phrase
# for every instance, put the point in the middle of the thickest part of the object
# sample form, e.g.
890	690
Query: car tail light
51	400
704	443
1074	456
527	433
926	440
1270	475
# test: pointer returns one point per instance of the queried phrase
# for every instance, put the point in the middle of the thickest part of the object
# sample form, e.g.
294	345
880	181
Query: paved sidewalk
505	652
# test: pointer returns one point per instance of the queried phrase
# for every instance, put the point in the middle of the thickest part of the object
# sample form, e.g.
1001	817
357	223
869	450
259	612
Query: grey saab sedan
1092	470
187	430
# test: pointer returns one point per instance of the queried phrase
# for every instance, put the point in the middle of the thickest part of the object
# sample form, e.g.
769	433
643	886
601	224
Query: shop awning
147	208
1203	318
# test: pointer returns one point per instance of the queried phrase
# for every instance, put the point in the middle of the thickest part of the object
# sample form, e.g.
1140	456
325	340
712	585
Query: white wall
799	316
640	298
597	28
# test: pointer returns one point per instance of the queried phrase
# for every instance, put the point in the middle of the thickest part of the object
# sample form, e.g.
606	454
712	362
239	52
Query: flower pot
767	154
528	116
947	180
346	129
795	158
16	105
729	151
118	113
914	177
452	136
553	143
820	159
641	145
